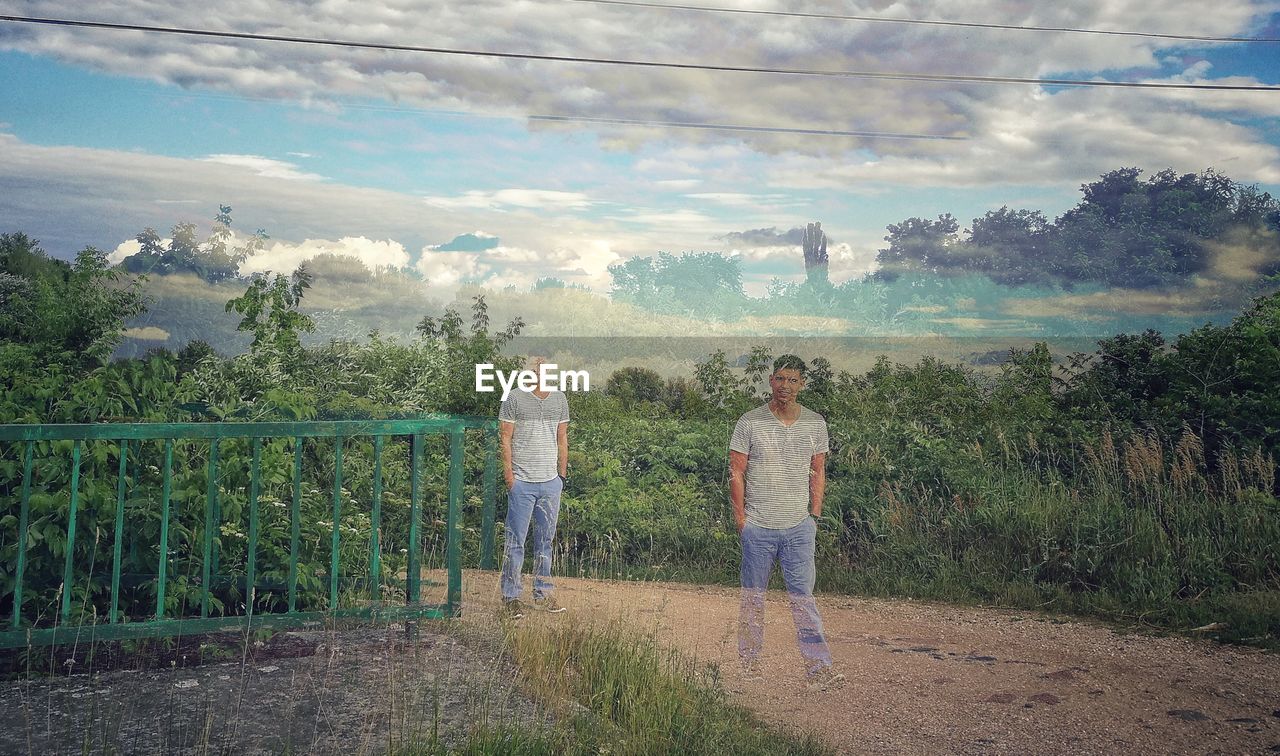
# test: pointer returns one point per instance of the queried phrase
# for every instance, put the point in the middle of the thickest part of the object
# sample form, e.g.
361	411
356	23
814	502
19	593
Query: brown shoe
826	678
511	609
548	604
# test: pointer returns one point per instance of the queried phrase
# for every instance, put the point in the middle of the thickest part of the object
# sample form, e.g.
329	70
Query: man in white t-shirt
777	477
535	458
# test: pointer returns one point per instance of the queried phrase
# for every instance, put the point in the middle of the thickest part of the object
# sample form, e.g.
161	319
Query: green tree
463	351
269	307
214	260
632	385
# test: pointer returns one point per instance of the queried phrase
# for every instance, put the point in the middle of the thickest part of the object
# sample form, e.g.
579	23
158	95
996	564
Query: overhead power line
927	22
607	121
874	75
738	127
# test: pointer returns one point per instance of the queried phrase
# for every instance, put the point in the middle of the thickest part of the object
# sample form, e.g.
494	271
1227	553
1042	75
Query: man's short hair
790	362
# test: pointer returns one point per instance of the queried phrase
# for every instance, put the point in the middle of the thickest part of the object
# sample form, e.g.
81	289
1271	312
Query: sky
435	161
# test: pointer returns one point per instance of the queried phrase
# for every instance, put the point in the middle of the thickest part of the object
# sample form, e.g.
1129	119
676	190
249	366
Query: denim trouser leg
759	551
546	511
539	502
793	548
795	555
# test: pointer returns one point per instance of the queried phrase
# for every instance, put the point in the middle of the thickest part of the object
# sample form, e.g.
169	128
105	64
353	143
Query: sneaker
825	679
512	608
548	604
751	672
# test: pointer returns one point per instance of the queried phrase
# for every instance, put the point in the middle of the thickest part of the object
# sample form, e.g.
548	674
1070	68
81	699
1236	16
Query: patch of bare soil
353	691
928	678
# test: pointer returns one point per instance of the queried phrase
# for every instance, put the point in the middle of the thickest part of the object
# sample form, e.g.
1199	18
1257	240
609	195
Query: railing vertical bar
295	520
71	534
412	571
251	569
211	495
166	487
24	519
337	514
375	524
490	495
453	550
116	554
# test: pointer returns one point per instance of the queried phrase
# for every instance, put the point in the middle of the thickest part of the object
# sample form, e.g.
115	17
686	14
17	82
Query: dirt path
926	678
922	678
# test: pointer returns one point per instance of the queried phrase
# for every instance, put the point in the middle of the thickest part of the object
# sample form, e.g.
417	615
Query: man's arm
562	448
817	483
738	487
508	430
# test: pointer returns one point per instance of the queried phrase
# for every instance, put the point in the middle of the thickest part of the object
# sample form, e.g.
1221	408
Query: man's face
785	384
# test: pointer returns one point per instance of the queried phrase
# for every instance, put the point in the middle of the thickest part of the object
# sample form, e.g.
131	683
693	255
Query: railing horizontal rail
196	625
304	429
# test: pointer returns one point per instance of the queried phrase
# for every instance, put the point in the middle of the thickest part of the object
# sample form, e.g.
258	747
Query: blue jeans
541	501
793	549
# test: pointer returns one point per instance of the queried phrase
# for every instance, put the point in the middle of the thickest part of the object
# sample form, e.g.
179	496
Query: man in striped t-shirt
777	476
535	458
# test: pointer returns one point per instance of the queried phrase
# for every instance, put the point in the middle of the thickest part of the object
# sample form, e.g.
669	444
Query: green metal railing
160	622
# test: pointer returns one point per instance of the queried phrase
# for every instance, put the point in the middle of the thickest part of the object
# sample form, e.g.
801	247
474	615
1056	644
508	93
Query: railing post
116	553
453	545
413	588
24	520
375	524
295	524
490	495
337	516
67	573
251	569
211	497
162	568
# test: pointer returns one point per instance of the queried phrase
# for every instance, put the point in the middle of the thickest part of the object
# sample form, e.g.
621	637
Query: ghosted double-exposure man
535	458
777	476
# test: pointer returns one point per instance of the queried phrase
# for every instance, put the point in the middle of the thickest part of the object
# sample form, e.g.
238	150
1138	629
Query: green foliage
635	384
70	315
693	283
212	260
270	310
1124	232
463	351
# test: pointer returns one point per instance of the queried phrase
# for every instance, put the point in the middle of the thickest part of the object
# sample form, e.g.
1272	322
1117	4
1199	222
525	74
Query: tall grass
1143	532
622	691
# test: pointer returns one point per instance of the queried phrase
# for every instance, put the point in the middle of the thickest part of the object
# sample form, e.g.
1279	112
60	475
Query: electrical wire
737	127
588	119
874	75
926	22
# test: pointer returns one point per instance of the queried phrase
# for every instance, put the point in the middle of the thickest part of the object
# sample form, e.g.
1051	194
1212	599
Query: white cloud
447	270
743	200
265	167
147	333
284	257
527	199
125	249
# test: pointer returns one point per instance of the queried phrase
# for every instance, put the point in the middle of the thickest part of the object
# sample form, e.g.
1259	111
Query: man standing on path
777	476
535	458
